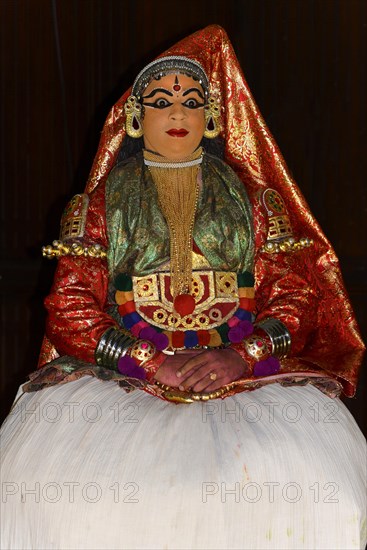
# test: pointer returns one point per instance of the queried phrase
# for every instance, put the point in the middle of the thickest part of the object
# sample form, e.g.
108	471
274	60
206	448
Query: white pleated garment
87	466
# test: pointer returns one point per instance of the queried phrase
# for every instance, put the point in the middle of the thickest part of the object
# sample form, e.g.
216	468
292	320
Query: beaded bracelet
133	361
118	350
279	336
112	345
269	342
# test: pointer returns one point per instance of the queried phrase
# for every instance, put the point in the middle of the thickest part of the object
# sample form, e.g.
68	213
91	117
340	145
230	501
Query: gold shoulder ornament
72	229
280	235
61	248
73	220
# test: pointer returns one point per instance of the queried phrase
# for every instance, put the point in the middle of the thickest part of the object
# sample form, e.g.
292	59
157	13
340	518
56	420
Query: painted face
173	120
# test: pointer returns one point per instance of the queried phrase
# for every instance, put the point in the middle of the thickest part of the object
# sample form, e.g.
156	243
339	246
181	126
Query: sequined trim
167	65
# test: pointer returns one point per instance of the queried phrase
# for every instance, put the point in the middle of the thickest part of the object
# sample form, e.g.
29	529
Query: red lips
177	132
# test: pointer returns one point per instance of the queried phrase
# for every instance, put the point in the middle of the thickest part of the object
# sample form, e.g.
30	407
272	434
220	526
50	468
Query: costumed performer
192	271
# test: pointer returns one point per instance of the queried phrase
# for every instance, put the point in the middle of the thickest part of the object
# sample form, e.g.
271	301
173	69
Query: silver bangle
112	345
279	336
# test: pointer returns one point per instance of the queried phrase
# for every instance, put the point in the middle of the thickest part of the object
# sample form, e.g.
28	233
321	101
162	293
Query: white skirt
87	466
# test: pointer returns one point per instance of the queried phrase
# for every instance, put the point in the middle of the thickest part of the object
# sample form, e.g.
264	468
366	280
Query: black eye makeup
192	103
160	103
196	90
157	91
163	102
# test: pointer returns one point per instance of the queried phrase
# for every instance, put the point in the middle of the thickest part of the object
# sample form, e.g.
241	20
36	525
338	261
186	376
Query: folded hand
202	371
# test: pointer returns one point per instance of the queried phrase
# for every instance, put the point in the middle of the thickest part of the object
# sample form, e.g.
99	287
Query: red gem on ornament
184	304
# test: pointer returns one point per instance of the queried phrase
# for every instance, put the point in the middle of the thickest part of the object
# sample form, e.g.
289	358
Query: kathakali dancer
198	336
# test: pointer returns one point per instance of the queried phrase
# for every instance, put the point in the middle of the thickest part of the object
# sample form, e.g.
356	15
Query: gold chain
178	194
174	394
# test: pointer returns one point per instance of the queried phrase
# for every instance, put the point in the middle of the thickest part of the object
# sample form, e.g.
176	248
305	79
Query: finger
200	374
207	384
191	364
182	379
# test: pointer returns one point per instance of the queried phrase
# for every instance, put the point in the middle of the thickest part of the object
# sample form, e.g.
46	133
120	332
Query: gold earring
212	119
132	110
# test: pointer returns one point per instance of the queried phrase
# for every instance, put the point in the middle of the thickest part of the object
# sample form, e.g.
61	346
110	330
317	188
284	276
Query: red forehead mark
177	86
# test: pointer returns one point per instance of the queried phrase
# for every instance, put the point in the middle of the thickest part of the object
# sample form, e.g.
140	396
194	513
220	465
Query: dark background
63	64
